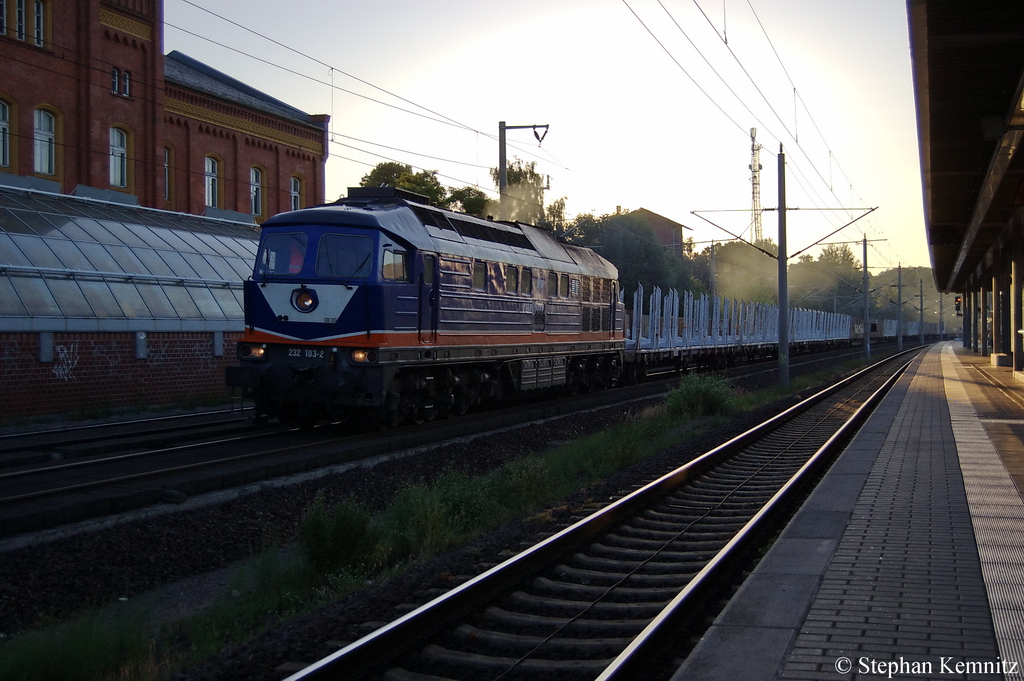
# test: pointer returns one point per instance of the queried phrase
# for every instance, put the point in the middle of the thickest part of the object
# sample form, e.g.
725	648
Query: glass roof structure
77	264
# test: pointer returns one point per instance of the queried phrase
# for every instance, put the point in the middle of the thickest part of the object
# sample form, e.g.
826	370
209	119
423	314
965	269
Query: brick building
88	99
108	301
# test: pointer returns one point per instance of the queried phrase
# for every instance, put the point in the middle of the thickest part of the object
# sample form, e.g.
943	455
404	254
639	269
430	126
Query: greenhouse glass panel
243	268
91	230
222	268
36	297
67	228
127	260
216	244
243	248
36	221
38	251
122	234
154	263
201	266
174	240
148	235
178	265
206	303
10	223
228	303
10	254
10	303
70	298
8	200
156	300
195	243
70	254
184	307
102	300
100	257
129	299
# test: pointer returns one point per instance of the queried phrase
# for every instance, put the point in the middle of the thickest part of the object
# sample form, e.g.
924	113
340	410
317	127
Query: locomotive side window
343	255
563	286
511	279
552	284
428	270
281	254
526	288
479	276
395	266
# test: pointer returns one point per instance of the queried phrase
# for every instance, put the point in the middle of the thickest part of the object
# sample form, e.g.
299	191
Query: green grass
341	547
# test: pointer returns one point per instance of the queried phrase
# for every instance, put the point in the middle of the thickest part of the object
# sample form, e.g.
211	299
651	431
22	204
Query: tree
524	192
469	200
400	175
393	174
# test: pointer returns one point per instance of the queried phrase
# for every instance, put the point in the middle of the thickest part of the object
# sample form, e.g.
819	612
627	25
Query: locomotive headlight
304	299
251	351
363	356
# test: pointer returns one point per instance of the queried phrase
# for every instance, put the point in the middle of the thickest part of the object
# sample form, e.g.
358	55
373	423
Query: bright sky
636	120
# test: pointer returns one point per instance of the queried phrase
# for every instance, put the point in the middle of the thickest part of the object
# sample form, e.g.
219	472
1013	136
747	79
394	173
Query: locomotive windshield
345	256
281	254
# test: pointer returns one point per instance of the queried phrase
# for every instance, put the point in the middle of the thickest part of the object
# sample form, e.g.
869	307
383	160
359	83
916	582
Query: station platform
907	561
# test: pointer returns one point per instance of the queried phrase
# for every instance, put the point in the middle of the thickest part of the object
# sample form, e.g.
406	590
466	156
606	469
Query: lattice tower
755	184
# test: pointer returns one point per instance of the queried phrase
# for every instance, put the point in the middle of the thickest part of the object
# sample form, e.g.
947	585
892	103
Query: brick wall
94	372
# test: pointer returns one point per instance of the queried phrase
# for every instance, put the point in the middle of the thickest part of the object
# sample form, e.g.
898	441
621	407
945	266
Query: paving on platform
907	561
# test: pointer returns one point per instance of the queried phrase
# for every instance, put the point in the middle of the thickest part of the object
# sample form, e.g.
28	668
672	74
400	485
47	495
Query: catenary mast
755	182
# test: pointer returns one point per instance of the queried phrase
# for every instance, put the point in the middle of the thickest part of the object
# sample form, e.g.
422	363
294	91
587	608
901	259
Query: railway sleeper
703	550
598	578
560	607
487	641
610	552
473	663
637	564
709	528
571	626
627	594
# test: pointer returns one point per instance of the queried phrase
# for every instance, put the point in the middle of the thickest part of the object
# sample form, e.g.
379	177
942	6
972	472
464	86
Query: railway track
59	490
602	597
62	476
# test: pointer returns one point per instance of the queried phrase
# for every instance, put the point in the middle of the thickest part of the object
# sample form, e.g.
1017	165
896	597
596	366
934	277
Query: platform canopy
968	64
77	264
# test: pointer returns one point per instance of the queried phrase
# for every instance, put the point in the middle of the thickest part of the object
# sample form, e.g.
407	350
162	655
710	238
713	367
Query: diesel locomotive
381	306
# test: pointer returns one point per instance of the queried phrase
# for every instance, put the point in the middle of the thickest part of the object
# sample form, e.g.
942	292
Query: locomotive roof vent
387	193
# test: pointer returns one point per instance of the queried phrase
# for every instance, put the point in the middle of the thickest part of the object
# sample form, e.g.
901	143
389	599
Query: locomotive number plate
308	354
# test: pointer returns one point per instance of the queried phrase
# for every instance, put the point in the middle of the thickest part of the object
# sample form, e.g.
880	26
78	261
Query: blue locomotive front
379	302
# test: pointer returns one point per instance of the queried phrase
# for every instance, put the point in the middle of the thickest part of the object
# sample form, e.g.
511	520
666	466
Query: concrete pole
920	296
983	322
867	303
1016	323
783	278
502	170
899	308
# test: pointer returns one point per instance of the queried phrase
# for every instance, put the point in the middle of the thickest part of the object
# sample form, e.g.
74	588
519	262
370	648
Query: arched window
115	80
212	172
256	191
295	193
118	158
5	135
126	84
45	143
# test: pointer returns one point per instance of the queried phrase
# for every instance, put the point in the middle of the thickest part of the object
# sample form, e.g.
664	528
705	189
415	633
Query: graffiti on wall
65	361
